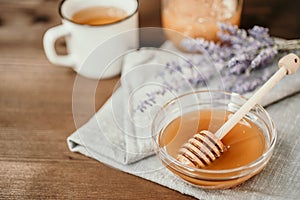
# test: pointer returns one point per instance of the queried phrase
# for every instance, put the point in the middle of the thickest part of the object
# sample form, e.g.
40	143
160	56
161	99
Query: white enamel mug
110	40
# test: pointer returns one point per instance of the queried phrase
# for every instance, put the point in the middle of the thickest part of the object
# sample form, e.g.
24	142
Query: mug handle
49	39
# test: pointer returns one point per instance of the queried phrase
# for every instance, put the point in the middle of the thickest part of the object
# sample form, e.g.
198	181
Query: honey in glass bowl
245	142
249	144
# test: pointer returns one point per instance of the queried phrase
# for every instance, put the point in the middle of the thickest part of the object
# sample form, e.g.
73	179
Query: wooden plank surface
36	108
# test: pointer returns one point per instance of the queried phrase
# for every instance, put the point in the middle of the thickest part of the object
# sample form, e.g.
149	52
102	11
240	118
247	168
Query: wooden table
36	107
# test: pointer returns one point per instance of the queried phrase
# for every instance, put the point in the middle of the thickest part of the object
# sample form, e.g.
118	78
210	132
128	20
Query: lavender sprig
238	64
239	52
245	83
176	77
264	57
240	56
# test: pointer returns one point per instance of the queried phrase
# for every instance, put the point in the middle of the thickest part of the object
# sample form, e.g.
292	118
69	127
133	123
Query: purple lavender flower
197	80
229	28
199	45
151	97
231	34
258	32
238	64
264	57
173	67
142	106
175	80
238	52
237	55
261	34
245	86
247	83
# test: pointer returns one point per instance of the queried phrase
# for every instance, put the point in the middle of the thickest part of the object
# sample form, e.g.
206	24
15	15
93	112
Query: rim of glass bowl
163	152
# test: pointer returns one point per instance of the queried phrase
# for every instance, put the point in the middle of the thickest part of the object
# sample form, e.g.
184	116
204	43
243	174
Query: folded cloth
119	134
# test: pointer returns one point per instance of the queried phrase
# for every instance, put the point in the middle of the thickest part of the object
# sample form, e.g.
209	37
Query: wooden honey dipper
205	147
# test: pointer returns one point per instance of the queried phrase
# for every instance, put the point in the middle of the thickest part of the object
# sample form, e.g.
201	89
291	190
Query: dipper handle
288	65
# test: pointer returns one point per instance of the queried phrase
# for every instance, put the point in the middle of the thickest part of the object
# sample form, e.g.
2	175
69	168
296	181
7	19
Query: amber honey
198	18
245	142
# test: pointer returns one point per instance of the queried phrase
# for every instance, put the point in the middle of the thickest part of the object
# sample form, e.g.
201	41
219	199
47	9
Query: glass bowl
203	100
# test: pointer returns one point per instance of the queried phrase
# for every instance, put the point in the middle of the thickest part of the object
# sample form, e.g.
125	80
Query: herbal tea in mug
92	30
99	15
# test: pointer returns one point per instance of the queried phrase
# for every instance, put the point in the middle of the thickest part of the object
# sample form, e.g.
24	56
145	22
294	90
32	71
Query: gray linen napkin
119	135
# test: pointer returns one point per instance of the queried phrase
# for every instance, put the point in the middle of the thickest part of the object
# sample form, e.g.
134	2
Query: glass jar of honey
198	18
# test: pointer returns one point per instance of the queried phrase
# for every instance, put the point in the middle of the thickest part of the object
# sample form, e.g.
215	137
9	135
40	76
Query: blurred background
26	25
